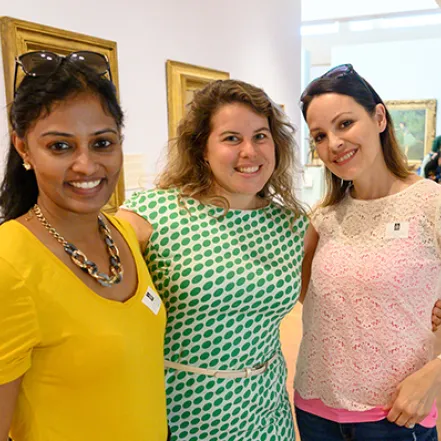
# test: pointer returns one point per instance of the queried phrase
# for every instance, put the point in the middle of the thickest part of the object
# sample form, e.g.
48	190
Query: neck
377	182
239	201
73	226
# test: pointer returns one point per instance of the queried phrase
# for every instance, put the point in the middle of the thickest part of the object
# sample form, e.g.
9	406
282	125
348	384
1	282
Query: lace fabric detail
367	312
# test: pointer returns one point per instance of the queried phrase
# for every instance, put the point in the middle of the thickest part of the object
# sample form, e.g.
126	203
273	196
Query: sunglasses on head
45	63
340	71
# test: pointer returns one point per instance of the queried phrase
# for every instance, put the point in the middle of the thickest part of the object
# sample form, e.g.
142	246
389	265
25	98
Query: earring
27	166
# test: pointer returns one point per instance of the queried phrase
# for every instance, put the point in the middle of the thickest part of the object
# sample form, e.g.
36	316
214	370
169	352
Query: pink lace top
367	313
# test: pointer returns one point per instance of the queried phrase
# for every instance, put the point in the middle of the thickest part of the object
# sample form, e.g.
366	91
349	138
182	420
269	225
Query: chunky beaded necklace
80	259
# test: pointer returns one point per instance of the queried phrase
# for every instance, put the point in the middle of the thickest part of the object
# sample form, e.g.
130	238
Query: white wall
398	70
326	10
255	40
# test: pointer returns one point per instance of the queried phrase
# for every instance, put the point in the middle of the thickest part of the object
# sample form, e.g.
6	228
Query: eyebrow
70	135
332	121
340	114
231	132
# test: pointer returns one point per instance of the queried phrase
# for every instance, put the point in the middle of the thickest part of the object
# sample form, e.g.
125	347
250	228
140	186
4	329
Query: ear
20	146
380	117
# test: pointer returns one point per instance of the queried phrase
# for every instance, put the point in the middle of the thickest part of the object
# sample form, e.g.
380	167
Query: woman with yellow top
81	340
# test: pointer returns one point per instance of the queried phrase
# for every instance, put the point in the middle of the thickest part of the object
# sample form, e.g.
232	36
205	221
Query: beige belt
244	373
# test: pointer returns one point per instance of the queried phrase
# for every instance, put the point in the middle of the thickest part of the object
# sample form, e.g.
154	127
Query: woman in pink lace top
366	368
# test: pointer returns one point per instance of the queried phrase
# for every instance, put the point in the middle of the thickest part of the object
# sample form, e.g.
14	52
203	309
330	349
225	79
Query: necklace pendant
69	248
80	259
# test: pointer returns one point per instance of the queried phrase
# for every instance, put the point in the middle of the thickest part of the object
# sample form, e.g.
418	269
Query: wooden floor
291	334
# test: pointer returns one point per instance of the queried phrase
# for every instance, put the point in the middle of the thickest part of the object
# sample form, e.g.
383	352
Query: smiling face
76	154
241	154
346	136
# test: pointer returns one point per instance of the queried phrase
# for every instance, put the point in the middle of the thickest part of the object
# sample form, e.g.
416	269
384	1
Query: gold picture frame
182	81
415	127
19	36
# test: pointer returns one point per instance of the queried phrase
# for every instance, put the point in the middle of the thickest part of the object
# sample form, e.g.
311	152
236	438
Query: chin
348	175
86	207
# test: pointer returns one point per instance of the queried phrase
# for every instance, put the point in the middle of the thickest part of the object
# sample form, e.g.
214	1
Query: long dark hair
356	87
34	99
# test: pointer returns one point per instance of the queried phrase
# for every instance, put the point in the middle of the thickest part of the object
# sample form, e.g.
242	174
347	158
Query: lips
86	185
248	170
345	157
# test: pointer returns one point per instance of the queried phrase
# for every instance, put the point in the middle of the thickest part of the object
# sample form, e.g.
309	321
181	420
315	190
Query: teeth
248	169
347	156
88	184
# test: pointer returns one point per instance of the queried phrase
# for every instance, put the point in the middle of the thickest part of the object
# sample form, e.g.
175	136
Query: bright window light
361	25
320	29
415	20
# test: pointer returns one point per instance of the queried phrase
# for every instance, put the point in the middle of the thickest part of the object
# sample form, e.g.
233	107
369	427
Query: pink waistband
317	407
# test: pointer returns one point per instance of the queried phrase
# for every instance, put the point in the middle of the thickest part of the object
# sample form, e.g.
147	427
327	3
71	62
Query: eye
231	138
59	146
347	123
260	136
102	143
318	138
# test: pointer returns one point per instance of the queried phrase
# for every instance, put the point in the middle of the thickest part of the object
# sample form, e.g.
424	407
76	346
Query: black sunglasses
341	71
45	63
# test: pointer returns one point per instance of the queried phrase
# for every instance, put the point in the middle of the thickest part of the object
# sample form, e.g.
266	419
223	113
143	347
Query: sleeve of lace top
316	217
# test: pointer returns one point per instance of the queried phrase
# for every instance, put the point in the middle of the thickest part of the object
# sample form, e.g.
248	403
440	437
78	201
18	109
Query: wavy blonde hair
186	168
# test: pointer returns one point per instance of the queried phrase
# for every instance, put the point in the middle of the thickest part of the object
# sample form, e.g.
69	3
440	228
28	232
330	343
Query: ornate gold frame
20	36
430	129
183	78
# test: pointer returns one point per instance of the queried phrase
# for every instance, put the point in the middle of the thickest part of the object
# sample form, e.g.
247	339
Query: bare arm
8	399
310	244
143	229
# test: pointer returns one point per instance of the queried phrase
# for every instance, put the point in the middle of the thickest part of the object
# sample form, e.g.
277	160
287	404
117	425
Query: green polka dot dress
227	282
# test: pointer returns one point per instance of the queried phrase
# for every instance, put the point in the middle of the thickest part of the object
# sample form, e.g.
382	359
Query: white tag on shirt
152	300
397	230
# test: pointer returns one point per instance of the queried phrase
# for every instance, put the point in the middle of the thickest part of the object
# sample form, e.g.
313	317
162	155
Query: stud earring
27	166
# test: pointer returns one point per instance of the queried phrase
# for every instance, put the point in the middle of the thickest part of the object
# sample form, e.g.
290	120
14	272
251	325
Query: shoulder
15	241
424	194
149	198
12	281
298	222
135	229
320	213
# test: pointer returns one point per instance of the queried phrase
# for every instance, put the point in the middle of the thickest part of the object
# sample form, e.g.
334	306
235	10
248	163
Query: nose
84	163
248	149
335	142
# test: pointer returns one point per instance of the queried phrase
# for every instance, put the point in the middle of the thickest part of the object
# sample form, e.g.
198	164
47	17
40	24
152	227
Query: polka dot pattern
227	281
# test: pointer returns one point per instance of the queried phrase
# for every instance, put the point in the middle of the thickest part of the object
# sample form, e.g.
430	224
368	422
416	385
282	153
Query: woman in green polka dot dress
224	244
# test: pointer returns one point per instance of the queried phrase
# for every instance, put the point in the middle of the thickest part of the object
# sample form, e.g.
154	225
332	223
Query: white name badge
397	230
152	301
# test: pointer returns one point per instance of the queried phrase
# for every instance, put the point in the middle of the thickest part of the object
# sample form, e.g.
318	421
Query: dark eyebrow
70	135
108	130
333	120
54	133
340	114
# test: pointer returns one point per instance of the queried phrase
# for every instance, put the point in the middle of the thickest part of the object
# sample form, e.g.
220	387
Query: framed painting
182	81
20	36
415	125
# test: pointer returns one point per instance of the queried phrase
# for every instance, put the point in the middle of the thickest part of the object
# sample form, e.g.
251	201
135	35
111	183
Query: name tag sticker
397	230
152	301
